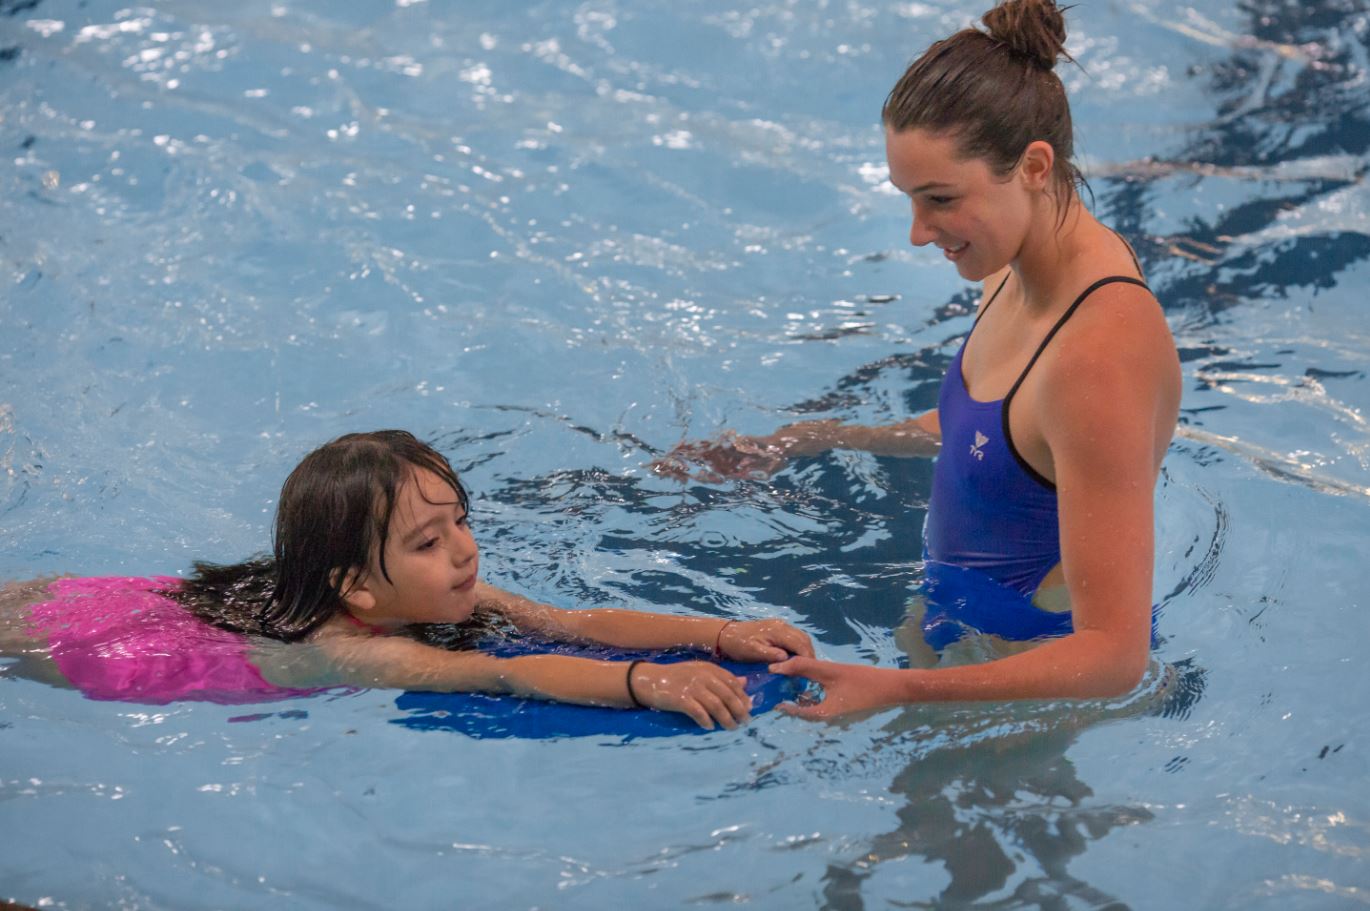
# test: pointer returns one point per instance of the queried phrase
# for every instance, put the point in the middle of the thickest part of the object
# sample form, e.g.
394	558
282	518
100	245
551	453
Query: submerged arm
734	456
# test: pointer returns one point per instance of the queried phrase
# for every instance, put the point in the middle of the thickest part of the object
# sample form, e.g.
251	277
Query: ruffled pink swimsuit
115	638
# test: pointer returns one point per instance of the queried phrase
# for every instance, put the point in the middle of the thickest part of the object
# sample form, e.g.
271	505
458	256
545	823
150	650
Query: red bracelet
718	642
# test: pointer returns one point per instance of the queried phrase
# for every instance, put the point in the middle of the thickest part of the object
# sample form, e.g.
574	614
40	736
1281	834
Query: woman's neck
1045	267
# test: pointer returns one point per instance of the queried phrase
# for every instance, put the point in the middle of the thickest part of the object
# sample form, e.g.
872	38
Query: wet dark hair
333	516
995	91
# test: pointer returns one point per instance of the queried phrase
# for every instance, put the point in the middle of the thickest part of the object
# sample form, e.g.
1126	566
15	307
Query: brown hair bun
1036	29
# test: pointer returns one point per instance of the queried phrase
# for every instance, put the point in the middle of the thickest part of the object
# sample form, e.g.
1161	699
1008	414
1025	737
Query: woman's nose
919	234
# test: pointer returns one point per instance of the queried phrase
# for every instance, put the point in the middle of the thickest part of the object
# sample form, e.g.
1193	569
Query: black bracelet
632	665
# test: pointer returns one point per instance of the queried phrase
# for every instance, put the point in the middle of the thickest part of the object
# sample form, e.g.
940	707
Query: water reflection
991	795
1292	125
1003	818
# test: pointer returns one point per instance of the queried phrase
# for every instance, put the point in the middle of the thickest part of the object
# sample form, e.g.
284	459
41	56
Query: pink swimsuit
116	638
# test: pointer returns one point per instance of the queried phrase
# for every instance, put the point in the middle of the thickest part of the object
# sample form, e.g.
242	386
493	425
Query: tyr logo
975	450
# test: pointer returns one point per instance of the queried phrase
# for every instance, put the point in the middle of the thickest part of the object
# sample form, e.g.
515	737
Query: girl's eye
941	200
428	544
463	520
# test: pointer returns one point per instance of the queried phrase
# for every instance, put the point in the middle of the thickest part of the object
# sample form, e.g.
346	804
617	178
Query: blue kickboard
488	716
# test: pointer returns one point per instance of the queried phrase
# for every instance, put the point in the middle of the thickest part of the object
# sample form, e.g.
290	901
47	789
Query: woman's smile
953	253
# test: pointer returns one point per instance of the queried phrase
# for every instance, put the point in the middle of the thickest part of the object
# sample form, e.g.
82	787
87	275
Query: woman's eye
941	200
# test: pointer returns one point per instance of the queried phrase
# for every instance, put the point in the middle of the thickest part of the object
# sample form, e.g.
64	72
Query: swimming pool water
558	238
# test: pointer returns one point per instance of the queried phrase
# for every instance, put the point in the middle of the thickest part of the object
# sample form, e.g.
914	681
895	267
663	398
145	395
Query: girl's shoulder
22	593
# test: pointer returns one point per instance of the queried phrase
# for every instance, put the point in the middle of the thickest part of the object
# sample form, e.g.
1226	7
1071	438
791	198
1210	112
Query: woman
1056	412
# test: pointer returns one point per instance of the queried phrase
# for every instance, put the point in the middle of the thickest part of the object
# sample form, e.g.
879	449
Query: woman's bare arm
734	456
1113	408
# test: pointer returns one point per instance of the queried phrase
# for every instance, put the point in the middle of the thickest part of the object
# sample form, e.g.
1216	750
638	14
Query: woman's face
978	219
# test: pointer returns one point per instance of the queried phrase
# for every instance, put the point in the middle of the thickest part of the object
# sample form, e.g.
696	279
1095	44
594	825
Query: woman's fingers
800	666
812	669
795	710
730	456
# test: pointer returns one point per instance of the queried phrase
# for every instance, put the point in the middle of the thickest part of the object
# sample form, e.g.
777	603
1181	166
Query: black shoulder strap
1070	311
1008	435
991	298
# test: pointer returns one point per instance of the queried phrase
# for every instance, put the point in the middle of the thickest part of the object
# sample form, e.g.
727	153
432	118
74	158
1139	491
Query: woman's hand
754	457
704	691
847	688
762	640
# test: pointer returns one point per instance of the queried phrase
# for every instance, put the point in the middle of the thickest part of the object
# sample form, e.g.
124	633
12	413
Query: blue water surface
558	238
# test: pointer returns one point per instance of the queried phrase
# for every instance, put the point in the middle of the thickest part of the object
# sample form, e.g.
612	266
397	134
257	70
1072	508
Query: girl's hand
755	457
847	688
704	691
762	640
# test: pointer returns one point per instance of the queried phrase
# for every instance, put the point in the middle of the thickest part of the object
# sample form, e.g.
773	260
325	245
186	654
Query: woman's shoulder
1117	347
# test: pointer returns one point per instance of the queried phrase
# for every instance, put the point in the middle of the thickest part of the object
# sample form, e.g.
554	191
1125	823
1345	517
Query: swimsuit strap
362	624
991	300
1070	311
1126	246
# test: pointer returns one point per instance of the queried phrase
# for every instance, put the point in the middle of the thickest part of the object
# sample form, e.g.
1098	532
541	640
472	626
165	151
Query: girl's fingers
701	717
717	708
799	643
736	684
733	699
726	707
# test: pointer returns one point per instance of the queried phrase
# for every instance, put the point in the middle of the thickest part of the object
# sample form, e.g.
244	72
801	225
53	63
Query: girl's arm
704	691
1112	411
740	640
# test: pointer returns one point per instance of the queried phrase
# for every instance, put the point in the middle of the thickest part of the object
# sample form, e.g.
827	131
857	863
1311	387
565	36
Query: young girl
1055	413
372	543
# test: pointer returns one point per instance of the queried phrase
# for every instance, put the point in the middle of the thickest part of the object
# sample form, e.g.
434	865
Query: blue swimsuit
992	531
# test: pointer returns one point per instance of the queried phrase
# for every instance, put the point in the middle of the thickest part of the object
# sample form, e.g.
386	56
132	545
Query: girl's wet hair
333	516
995	91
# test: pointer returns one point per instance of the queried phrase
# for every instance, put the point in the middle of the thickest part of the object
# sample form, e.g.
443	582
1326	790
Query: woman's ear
1036	164
356	593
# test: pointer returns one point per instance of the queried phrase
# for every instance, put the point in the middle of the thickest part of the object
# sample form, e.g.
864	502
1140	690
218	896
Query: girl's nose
463	549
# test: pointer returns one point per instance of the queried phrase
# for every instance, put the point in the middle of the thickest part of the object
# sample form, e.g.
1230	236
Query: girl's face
430	555
978	219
